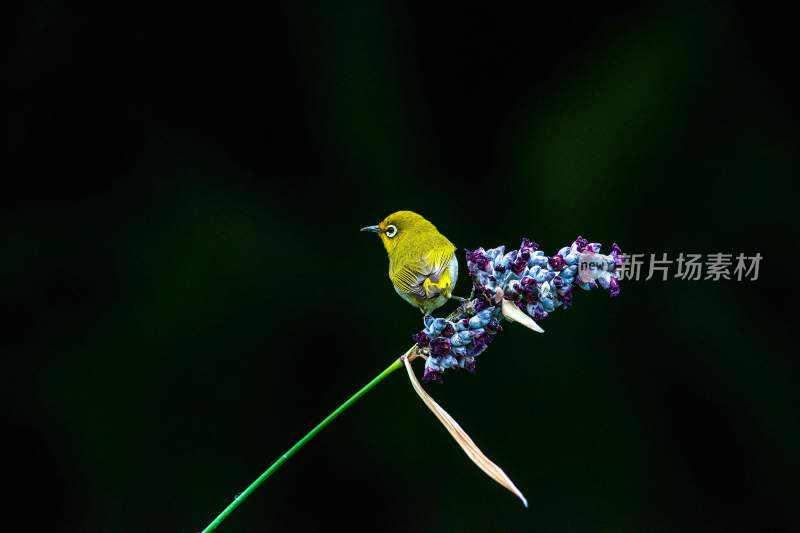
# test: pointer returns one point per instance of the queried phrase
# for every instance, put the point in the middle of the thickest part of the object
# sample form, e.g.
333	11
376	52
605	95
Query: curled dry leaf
461	437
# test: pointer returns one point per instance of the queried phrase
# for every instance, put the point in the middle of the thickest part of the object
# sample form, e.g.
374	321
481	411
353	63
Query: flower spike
523	286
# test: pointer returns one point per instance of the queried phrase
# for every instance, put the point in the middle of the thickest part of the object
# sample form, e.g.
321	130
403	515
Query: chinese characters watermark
692	267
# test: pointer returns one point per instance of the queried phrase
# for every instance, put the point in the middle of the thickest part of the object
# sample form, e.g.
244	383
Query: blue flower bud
462	338
438	326
538	259
448	361
475	322
460	350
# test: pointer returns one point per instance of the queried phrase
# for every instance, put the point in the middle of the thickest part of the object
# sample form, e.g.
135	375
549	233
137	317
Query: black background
189	294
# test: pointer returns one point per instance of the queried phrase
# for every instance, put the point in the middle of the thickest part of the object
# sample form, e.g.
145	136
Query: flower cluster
537	284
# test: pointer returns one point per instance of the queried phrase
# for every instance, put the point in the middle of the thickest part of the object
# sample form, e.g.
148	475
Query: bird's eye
391	231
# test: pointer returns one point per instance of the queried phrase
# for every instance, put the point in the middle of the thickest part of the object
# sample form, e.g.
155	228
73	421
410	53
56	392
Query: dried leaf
461	437
515	314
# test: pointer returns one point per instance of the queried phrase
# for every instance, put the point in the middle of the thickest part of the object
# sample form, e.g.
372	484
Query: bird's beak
372	229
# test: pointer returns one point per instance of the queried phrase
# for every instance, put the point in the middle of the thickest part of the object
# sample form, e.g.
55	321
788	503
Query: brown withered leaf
461	437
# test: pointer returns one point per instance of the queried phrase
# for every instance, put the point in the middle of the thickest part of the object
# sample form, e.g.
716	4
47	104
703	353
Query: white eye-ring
391	231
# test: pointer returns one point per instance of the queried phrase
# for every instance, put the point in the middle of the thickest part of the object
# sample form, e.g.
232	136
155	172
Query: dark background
187	292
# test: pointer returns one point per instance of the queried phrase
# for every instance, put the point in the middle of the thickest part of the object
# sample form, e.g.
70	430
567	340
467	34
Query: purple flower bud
617	255
440	346
536	312
566	298
520	264
432	375
477	259
448	330
530	288
494	326
475	350
528	244
422	339
581	243
480	304
557	263
469	364
484	293
482	339
613	287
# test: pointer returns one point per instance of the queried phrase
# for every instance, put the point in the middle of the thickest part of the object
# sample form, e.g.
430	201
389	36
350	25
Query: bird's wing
409	279
438	262
412	276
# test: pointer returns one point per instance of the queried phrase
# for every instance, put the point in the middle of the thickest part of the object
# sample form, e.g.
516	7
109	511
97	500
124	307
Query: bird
422	262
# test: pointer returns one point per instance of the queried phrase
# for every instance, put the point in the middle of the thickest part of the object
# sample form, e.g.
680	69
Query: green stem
310	435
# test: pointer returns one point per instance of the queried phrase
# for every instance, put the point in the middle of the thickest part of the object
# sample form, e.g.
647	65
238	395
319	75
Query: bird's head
400	226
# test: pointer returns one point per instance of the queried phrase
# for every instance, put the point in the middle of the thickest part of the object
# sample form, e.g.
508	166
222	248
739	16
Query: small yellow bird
422	263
